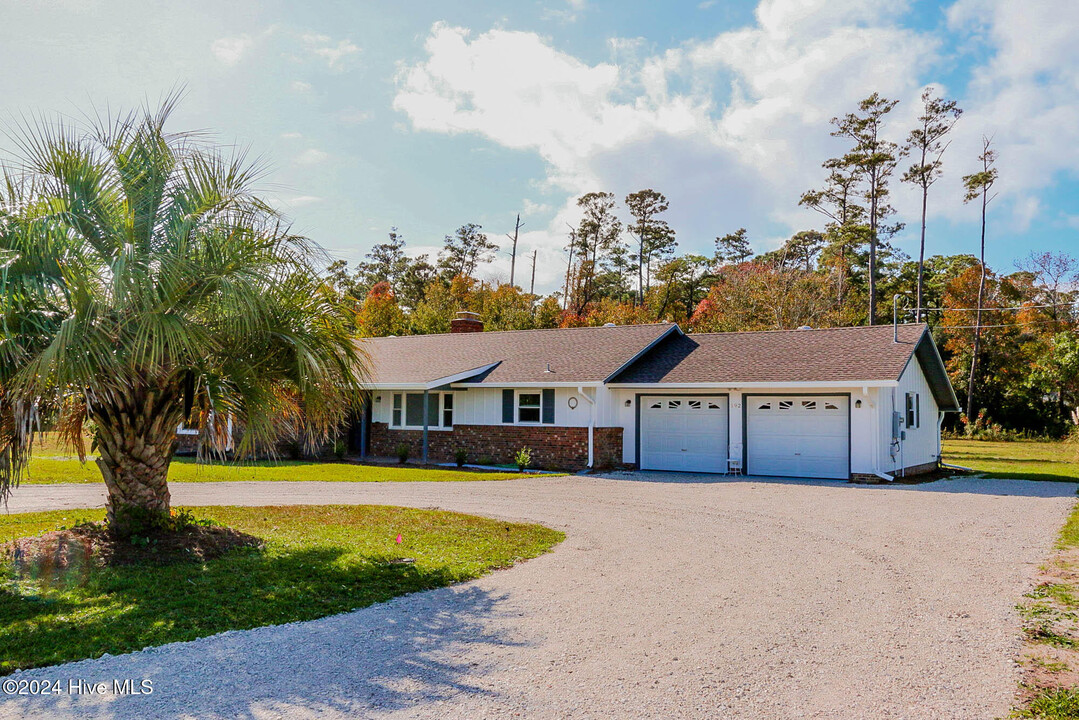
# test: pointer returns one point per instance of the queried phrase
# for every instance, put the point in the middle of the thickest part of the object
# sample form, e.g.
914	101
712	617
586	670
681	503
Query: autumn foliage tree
380	315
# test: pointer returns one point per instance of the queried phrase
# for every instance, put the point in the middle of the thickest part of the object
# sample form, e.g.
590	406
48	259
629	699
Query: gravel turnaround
673	596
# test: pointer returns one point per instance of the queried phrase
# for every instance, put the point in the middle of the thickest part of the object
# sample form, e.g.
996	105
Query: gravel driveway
672	597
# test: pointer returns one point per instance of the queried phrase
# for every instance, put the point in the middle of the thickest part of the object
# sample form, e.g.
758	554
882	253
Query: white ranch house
862	403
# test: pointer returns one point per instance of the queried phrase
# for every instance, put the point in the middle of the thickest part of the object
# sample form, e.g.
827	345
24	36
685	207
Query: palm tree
144	285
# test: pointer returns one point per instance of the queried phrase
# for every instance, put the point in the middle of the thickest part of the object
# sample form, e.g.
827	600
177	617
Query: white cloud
734	128
1026	97
311	156
621	128
301	200
230	50
291	136
567	14
300	86
334	53
530	208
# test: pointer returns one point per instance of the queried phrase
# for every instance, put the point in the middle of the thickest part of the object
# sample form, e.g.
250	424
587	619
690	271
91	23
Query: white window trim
441	395
517	406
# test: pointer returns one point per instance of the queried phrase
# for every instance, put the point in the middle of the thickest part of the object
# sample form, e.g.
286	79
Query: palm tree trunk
135	443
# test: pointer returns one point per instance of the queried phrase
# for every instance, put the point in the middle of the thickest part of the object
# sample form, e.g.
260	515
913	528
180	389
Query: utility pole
532	287
513	254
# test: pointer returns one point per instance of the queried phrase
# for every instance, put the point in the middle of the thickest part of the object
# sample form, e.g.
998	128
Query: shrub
523	458
983	429
403	451
486	460
460	456
138	524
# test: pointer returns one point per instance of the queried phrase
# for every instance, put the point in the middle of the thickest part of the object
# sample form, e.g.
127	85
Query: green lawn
1020	459
318	560
50	469
54	463
1050	615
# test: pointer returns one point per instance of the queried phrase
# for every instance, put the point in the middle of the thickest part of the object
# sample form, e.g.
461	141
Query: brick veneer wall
553	448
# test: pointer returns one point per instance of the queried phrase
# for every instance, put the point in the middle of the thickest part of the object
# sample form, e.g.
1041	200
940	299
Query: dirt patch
92	544
1050	655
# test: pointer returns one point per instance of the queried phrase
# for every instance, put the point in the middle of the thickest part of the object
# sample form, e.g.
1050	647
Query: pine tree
926	143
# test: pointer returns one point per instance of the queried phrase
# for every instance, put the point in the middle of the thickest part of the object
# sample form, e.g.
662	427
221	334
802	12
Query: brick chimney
466	322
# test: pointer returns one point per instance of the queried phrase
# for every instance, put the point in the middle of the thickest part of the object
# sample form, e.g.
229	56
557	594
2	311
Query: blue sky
428	115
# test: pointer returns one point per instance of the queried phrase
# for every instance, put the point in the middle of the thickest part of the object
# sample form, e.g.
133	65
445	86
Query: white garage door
687	433
798	436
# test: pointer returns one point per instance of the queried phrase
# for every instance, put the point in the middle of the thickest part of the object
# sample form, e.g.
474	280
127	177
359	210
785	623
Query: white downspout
591	422
940	447
876	453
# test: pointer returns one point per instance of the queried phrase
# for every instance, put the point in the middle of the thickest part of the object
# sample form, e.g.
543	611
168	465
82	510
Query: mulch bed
92	544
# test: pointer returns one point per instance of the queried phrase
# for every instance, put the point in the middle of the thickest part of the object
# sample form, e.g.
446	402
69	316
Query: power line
1001	325
1000	309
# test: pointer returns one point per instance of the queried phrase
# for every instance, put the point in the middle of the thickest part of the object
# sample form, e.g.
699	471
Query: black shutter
507	405
547	407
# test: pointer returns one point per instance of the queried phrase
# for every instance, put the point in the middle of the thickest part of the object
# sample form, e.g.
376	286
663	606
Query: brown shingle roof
578	355
588	354
852	354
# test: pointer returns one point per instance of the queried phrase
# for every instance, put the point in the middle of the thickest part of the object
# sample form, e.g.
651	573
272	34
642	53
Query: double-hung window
407	410
913	410
396	420
528	407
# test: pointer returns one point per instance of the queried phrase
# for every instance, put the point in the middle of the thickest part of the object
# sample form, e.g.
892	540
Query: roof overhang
436	382
936	374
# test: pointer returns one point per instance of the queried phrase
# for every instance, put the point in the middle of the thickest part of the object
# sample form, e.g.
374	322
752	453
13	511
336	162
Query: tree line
1009	338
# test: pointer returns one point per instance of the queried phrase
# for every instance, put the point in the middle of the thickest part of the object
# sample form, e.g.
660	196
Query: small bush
340	449
983	429
486	460
523	458
139	524
460	456
403	451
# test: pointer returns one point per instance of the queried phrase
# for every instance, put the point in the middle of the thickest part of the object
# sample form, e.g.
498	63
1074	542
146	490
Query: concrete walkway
674	596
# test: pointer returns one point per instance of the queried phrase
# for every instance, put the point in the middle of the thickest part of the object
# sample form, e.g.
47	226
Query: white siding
483	406
613	412
870	410
922	443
